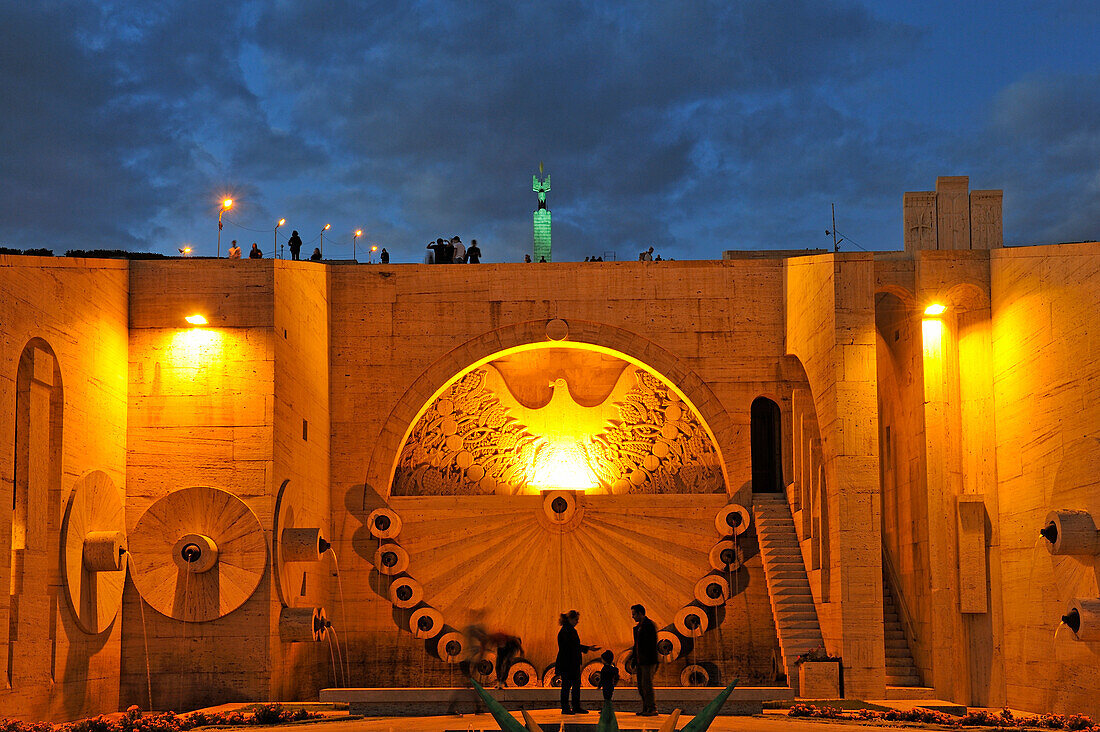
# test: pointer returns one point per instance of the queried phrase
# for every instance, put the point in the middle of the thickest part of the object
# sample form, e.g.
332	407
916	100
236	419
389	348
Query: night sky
693	127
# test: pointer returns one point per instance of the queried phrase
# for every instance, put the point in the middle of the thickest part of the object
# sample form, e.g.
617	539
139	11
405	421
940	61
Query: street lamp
277	249
373	249
322	247
358	233
226	205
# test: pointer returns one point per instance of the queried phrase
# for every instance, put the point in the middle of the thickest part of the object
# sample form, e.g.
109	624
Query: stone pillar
919	215
985	220
952	212
951	217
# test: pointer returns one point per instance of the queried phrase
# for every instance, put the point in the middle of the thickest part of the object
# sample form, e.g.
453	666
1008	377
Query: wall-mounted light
935	309
196	319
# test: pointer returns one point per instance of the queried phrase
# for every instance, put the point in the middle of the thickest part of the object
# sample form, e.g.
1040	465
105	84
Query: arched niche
629	346
36	498
765	434
558	416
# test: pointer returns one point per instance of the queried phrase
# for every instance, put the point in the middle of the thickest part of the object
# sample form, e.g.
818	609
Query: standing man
295	243
384	256
459	256
473	253
234	251
645	658
438	251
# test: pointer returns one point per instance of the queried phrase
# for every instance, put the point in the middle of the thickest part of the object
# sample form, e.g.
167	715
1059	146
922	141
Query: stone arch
766	445
628	345
35	501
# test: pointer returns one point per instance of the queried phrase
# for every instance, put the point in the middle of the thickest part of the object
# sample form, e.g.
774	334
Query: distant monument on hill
541	248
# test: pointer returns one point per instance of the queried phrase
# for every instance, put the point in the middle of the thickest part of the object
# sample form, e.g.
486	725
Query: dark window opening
767	455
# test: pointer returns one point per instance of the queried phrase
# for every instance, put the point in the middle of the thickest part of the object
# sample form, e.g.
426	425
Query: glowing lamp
327	227
358	232
935	309
281	222
196	319
374	247
227	203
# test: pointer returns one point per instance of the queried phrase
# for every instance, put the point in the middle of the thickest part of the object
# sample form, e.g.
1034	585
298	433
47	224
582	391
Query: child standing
609	675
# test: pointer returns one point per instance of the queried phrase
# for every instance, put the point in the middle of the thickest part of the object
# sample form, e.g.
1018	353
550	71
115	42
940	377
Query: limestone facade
920	451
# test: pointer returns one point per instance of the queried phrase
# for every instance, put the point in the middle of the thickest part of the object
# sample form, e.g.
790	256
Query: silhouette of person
473	253
645	658
295	243
255	253
384	256
439	250
316	256
568	663
609	675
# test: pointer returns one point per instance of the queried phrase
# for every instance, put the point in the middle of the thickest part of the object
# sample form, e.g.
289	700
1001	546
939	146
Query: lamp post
358	233
373	249
322	247
226	205
277	225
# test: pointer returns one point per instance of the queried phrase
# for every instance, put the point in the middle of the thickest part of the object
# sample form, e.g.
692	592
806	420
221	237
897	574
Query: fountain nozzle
1072	619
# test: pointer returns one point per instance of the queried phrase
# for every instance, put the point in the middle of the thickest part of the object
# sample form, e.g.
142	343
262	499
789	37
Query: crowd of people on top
453	251
443	251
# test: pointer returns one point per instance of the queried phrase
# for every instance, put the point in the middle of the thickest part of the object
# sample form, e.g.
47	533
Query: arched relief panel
33	573
677	383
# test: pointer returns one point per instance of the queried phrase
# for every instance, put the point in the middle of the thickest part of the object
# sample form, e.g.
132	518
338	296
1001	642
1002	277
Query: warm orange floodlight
196	319
374	247
227	203
327	227
281	222
935	309
358	232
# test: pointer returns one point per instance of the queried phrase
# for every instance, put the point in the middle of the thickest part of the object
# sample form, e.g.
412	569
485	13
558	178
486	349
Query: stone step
895	662
910	680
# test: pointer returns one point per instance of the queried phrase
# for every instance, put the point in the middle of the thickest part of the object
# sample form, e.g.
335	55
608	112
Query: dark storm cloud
1043	142
631	108
696	126
119	118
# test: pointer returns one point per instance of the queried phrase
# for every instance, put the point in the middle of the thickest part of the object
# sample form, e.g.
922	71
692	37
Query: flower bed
1002	719
134	721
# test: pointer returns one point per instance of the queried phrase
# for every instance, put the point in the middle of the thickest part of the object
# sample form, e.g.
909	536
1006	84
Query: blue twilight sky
692	126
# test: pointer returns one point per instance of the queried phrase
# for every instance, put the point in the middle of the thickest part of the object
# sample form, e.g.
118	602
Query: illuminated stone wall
68	317
454	396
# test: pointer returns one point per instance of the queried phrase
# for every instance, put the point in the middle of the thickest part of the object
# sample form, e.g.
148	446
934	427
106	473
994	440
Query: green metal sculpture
700	723
541	249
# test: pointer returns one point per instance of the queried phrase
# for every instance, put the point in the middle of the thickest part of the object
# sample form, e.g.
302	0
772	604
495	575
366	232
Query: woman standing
568	663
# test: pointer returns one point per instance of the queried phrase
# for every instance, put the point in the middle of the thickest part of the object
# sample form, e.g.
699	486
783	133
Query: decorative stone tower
953	217
542	219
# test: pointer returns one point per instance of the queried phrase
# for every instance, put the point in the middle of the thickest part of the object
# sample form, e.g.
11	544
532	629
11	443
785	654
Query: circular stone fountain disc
198	596
95	597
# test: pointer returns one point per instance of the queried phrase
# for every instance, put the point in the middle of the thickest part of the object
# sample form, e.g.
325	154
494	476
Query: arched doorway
766	446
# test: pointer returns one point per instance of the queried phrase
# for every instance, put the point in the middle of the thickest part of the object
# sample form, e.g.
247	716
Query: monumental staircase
788	585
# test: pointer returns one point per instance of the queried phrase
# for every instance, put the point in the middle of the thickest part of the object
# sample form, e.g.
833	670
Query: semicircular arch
627	345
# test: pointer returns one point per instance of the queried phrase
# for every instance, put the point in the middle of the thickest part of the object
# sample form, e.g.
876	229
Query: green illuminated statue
542	219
